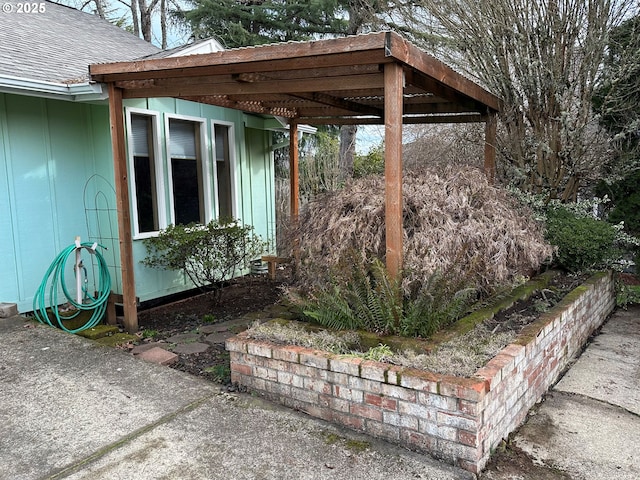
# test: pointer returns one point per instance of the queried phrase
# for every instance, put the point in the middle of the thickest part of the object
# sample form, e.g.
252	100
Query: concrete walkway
70	408
588	426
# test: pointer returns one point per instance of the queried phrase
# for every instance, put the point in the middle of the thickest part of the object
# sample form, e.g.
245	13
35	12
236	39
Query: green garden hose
54	278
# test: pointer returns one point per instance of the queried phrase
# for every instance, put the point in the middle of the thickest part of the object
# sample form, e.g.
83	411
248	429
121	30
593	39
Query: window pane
186	187
186	172
182	139
144	173
223	167
145	195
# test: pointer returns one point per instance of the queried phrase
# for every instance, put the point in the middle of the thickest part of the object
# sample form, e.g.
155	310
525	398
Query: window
224	165
189	192
142	160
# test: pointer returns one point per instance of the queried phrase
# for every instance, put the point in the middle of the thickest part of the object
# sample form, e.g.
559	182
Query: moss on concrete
117	339
99	331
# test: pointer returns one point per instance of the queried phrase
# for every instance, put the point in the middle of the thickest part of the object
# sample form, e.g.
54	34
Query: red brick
380	401
158	355
467	388
468	408
502	361
366	412
316	360
259	349
350	366
289	353
236	344
417	440
492	376
419	380
374	370
349	420
468	438
242	369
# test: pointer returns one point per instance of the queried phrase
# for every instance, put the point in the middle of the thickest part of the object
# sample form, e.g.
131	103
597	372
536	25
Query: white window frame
158	171
204	152
232	166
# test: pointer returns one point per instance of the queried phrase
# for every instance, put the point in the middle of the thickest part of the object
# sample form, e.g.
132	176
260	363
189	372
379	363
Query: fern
366	297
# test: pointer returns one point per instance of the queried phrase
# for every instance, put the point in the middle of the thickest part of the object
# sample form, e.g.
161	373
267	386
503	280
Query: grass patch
149	333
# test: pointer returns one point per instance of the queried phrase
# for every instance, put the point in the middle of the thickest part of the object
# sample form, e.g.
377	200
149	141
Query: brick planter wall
458	420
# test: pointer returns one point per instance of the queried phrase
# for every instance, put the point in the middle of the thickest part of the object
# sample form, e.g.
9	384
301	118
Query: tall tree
617	98
239	23
134	15
543	58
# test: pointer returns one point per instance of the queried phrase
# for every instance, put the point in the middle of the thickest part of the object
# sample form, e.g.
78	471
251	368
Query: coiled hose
55	279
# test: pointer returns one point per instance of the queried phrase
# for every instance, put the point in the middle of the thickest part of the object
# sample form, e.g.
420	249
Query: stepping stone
138	349
158	355
184	338
191	348
219	337
209	328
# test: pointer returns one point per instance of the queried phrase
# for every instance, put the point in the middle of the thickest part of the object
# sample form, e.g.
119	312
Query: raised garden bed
456	419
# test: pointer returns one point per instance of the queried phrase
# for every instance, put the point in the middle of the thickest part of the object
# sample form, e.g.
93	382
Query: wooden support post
116	118
111	310
490	147
393	89
294	174
294	183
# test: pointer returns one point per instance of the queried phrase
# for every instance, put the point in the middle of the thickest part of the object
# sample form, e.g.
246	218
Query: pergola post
116	119
490	147
393	89
294	174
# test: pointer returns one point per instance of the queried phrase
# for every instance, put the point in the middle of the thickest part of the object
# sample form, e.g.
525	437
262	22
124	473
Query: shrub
584	243
454	223
370	164
207	254
362	296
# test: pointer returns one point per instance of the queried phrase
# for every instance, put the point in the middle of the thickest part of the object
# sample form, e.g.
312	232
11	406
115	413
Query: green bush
583	242
364	297
370	164
207	254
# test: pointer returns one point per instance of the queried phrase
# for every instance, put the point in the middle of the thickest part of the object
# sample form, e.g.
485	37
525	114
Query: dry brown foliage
455	224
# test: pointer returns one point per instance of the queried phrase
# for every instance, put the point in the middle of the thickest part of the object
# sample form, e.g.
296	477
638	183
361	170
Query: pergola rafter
378	78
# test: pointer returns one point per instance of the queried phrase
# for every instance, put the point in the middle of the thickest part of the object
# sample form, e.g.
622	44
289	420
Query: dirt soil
202	315
527	311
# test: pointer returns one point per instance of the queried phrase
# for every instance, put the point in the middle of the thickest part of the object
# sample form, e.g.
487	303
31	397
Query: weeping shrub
454	222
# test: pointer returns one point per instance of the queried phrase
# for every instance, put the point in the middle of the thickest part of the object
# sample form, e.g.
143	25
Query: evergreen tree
239	23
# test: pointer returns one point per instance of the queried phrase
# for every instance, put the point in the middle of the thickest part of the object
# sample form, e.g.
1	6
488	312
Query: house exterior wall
57	182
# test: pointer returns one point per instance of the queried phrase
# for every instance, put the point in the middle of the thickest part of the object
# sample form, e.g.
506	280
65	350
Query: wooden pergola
378	78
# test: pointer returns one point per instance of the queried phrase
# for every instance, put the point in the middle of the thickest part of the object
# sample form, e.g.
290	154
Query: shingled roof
59	44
